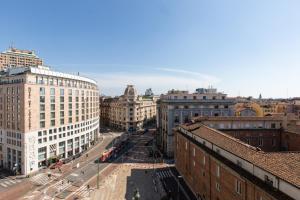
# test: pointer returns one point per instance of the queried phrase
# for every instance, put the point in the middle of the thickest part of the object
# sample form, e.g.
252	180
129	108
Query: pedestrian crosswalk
7	182
61	185
40	179
83	192
43	178
164	174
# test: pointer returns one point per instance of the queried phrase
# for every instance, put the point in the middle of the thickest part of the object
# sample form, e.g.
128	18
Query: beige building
45	114
178	107
15	58
128	112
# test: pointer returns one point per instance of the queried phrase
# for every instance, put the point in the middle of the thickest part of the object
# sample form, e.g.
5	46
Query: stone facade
45	114
177	107
129	112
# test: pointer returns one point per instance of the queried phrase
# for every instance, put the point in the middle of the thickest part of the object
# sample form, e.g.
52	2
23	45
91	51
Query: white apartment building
45	114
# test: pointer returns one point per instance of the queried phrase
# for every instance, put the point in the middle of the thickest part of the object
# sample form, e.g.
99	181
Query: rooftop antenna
11	46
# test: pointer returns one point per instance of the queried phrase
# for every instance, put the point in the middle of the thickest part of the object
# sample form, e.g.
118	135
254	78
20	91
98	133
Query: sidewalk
126	179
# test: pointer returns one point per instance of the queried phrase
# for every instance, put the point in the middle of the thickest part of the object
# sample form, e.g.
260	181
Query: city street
44	187
134	170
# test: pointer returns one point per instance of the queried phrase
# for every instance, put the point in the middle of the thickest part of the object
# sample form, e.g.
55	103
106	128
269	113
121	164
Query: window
214	98
238	186
248	140
273	142
260	142
52	99
203	160
52	122
42	115
52	91
218	171
42	107
52	107
273	125
204	97
62	92
42	99
218	187
42	91
176	120
42	124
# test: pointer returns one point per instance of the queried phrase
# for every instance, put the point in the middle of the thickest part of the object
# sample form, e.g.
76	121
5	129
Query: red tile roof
283	165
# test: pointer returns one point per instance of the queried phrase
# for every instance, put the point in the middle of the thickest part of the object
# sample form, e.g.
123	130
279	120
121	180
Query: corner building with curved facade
45	114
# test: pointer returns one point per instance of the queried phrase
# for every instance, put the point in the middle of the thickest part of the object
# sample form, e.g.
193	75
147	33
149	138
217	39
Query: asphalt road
72	176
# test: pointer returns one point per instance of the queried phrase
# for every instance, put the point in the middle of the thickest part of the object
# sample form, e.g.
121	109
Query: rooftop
238	118
285	165
42	70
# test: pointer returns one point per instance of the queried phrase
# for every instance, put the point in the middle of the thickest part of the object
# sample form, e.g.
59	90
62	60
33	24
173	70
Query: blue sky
241	47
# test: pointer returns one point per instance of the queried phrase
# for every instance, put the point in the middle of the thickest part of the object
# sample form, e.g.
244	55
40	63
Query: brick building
218	166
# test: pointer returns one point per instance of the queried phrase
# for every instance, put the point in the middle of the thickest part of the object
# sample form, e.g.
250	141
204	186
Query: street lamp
98	178
179	177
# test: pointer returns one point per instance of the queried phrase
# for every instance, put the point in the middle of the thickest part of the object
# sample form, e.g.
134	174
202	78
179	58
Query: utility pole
98	178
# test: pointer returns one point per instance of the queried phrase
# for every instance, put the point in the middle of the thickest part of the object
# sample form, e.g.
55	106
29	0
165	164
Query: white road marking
3	184
7	182
13	182
73	174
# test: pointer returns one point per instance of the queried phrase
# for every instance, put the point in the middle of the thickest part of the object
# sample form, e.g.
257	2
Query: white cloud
115	83
206	77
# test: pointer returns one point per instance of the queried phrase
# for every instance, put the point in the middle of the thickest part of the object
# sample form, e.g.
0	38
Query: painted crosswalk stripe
73	174
165	174
169	174
3	184
7	183
13	182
